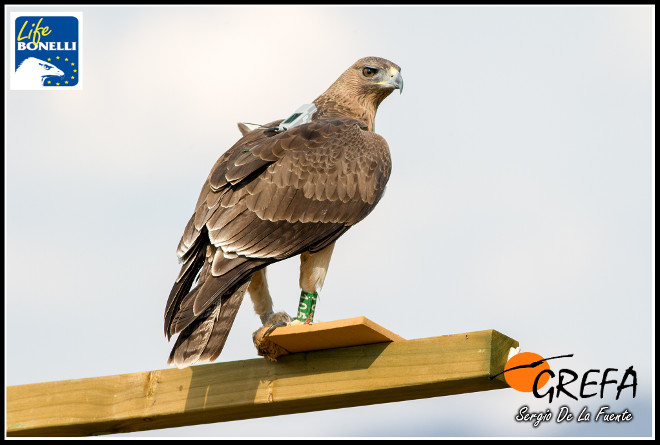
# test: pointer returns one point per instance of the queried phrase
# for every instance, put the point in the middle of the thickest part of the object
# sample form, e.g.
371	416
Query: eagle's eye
368	71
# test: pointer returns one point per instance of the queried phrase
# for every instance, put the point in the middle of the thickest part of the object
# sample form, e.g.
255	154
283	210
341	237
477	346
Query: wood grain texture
303	382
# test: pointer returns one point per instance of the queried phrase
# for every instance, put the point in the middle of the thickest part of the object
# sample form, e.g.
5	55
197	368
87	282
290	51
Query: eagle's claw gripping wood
266	348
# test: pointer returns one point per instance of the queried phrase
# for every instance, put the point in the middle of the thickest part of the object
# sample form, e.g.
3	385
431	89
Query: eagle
276	193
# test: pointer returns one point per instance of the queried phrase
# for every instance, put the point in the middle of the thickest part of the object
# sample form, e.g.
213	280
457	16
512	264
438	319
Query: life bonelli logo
46	51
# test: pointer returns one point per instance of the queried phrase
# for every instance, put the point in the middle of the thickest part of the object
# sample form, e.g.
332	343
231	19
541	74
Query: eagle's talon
265	347
272	320
276	325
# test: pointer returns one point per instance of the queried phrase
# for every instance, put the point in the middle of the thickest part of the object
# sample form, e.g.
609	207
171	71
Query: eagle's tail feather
204	314
203	340
189	271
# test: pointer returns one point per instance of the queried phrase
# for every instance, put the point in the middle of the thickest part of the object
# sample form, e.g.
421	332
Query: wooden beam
303	382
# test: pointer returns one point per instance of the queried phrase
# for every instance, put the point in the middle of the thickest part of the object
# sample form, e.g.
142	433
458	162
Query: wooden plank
331	334
310	381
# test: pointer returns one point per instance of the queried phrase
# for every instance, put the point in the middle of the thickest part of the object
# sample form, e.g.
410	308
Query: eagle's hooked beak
396	81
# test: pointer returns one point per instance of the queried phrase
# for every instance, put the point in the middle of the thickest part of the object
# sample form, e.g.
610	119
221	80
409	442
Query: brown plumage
275	195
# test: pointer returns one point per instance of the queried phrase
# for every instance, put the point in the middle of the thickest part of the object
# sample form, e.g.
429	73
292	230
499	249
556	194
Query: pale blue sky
520	197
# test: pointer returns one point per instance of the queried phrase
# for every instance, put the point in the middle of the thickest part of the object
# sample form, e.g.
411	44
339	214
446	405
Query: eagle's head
375	76
361	88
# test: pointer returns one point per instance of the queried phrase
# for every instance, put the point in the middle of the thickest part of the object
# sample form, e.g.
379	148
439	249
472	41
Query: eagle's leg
313	269
262	301
263	306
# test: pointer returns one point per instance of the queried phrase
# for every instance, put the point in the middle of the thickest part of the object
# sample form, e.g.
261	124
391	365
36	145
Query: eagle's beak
397	81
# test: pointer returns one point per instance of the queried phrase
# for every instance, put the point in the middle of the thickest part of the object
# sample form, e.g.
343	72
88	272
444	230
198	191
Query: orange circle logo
523	378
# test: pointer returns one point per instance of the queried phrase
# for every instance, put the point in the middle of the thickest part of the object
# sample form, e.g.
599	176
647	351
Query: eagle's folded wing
273	196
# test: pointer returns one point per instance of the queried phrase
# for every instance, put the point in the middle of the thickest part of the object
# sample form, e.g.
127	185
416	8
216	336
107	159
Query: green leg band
307	306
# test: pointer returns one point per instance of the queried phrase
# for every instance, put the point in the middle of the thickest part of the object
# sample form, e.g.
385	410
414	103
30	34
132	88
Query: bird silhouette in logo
32	73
